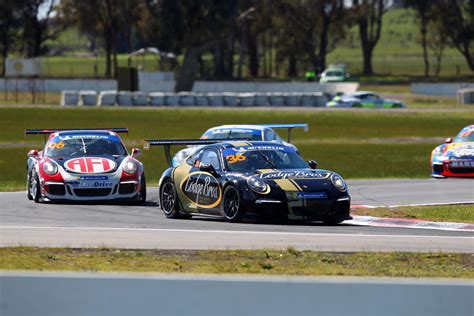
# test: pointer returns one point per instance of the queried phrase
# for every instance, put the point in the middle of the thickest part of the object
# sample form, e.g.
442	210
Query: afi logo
90	165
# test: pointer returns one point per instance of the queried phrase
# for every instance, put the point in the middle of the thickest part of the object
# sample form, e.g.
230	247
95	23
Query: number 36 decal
235	158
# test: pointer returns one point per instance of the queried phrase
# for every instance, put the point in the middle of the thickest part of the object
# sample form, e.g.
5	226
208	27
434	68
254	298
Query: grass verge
266	262
444	213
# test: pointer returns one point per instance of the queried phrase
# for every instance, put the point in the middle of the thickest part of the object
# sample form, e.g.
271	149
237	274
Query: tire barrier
107	98
140	98
465	96
69	98
228	99
88	98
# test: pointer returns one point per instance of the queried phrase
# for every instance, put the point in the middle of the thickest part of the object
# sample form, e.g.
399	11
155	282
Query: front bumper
123	190
314	209
445	169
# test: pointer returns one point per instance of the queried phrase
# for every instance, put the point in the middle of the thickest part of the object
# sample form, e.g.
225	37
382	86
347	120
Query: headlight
338	182
258	185
130	167
50	168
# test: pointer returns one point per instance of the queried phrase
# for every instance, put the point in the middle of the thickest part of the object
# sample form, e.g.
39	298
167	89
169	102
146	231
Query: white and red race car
84	165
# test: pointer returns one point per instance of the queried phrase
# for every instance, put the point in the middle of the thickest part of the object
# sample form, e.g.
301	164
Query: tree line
256	36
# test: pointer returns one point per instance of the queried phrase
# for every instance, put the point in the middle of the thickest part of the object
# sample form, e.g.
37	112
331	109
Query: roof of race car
239	126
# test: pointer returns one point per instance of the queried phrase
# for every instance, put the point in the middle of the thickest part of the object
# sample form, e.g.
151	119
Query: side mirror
208	168
448	140
33	153
136	152
313	164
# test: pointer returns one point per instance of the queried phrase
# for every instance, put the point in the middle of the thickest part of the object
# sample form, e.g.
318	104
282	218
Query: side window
193	158
270	135
210	157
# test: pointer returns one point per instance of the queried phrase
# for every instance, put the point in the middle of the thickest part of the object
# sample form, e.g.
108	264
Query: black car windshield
466	135
233	133
262	157
71	145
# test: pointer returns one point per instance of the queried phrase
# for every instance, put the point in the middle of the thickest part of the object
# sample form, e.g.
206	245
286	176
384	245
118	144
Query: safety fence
128	98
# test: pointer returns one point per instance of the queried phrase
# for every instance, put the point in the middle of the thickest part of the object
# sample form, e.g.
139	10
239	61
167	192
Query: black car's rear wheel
169	199
232	205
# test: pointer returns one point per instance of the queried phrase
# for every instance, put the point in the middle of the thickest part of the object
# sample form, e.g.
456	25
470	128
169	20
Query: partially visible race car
455	158
262	132
364	99
229	179
84	165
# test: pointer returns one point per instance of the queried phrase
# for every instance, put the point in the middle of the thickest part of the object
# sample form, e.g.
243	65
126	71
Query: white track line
226	232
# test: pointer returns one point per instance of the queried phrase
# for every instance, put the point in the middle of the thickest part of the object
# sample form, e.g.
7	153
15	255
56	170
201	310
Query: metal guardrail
138	294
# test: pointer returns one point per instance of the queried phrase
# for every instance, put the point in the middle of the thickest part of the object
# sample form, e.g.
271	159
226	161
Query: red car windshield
85	145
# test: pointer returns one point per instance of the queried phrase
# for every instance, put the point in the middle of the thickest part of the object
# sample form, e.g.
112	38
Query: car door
374	100
200	191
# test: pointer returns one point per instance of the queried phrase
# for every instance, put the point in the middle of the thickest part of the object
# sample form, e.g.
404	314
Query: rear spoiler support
287	126
167	143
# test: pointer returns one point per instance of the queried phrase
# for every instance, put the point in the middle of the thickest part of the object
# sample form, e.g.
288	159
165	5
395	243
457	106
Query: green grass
357	144
449	213
265	262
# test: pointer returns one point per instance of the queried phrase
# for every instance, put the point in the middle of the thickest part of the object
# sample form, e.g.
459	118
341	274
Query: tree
437	40
97	18
369	15
423	10
36	28
458	17
10	22
205	24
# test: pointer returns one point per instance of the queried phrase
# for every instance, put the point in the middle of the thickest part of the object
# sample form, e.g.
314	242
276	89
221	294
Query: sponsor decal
312	195
87	136
235	130
462	151
91	184
90	165
93	178
461	164
202	189
295	175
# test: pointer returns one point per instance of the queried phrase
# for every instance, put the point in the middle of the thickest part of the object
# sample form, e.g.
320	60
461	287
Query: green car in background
364	99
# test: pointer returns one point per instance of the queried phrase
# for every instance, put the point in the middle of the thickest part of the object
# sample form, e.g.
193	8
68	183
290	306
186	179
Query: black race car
230	179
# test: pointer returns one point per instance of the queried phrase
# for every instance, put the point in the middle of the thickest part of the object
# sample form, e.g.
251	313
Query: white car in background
262	132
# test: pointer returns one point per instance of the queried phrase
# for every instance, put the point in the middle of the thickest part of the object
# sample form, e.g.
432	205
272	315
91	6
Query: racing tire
169	199
397	106
356	105
34	189
142	197
28	184
232	205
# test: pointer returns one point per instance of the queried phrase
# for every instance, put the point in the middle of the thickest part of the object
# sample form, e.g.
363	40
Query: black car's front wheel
232	205
169	199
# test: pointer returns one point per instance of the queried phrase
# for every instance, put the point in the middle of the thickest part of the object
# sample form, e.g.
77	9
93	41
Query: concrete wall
151	83
118	294
439	89
56	85
248	86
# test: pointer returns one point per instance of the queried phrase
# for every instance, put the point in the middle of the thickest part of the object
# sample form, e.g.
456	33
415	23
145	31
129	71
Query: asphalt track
23	222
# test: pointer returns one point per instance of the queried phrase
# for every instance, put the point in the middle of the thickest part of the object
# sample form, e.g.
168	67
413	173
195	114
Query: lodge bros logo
202	189
90	165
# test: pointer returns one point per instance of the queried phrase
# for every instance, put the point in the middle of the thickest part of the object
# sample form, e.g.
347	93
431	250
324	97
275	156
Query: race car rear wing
49	131
288	126
167	143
